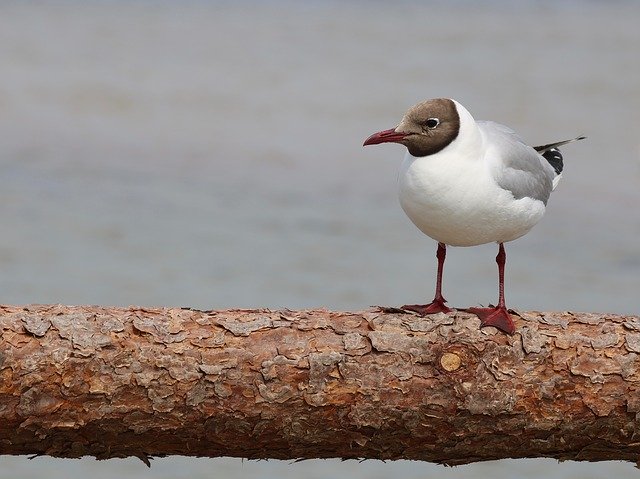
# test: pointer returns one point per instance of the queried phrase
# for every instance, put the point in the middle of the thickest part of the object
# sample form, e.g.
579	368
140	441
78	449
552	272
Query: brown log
384	384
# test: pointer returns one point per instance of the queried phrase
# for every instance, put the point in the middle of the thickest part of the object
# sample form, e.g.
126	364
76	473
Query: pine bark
383	384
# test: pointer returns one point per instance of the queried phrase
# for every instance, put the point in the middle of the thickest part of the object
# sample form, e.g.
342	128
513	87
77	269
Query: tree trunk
384	384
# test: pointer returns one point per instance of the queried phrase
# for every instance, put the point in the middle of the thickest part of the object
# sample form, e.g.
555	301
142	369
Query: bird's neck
469	137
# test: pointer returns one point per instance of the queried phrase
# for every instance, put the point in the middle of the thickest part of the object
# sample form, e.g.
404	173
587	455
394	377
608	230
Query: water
209	155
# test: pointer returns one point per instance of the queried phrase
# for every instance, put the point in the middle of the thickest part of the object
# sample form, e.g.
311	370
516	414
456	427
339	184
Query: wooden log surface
382	383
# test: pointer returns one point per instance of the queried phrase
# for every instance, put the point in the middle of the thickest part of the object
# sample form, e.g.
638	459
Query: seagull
465	183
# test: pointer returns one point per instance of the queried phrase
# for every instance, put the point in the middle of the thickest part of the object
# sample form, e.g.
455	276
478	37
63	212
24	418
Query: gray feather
517	167
544	148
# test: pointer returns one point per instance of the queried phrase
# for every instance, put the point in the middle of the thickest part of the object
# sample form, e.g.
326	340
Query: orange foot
436	306
498	317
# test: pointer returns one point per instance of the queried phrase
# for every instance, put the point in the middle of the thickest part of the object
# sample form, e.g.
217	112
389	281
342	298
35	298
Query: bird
465	183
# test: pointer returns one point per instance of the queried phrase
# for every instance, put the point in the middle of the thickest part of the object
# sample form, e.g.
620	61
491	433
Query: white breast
452	197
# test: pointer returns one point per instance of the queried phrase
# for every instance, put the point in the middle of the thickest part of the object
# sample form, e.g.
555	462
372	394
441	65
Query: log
382	383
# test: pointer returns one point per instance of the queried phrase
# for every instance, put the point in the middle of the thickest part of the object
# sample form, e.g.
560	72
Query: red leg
438	303
498	316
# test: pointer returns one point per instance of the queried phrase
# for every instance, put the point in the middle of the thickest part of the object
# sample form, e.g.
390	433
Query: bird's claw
436	306
497	317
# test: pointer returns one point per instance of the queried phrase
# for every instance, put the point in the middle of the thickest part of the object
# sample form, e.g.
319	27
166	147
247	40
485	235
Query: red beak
386	136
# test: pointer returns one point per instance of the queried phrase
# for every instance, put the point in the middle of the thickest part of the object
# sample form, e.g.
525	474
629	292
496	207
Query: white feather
453	197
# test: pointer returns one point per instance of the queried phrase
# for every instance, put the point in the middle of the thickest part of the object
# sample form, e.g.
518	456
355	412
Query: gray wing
516	166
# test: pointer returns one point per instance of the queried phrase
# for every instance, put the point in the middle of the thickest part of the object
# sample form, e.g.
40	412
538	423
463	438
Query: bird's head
425	129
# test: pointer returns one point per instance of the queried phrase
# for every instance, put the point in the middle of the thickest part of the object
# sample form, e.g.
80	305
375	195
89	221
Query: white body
454	198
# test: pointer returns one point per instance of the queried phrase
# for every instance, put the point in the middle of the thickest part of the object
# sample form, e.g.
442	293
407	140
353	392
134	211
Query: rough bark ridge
114	382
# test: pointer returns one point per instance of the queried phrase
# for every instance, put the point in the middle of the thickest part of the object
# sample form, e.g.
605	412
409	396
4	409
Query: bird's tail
552	154
542	149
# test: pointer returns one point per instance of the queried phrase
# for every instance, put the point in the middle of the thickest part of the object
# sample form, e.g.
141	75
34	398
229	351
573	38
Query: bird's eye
431	123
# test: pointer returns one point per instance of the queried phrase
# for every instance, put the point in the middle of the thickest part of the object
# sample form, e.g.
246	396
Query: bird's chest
456	203
438	188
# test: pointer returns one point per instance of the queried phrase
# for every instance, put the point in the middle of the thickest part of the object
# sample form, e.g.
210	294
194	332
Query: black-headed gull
465	183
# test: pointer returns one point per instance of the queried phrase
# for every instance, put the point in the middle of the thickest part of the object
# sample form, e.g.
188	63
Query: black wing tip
554	157
552	154
543	148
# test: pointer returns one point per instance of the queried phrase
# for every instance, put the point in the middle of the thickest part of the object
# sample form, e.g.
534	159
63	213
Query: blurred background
208	154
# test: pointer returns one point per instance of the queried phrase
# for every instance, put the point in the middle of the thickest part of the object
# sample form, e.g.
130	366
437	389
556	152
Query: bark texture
382	383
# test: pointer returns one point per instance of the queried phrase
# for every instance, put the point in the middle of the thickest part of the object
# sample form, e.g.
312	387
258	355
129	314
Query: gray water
209	155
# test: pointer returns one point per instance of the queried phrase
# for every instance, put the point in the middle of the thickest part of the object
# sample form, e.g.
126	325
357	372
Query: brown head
425	129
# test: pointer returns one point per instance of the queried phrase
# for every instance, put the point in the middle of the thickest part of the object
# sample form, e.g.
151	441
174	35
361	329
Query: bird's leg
499	316
438	303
